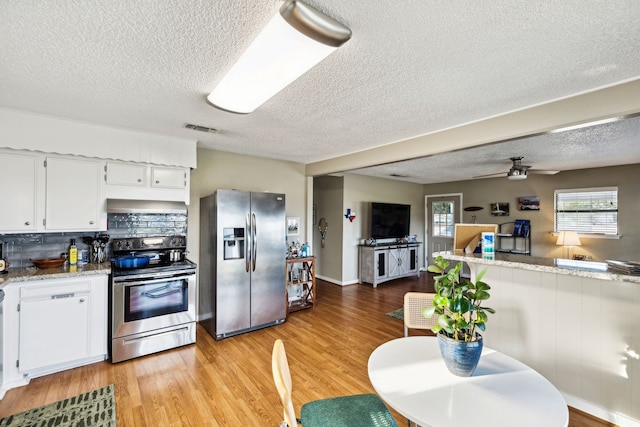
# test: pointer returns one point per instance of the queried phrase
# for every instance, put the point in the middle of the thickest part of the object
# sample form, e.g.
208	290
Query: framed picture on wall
500	209
293	225
531	203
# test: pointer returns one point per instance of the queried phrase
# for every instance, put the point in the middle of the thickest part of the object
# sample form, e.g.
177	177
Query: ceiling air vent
200	128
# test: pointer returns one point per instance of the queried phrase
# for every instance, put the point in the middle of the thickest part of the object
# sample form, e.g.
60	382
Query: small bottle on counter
73	253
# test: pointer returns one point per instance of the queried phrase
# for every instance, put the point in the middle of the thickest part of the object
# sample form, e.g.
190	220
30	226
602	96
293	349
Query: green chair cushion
348	411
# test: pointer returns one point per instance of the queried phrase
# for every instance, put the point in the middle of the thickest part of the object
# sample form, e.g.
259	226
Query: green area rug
397	314
96	408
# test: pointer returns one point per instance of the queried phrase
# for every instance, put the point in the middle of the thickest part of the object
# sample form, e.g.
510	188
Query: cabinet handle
139	180
157	182
81	299
91	222
60	296
27	223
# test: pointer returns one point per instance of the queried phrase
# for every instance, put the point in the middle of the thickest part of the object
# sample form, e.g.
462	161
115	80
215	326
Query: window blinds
587	211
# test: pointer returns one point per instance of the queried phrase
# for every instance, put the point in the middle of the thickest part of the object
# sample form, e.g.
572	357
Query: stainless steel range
152	296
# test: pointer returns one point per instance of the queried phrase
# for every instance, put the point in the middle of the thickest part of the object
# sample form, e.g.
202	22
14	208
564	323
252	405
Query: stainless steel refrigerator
242	262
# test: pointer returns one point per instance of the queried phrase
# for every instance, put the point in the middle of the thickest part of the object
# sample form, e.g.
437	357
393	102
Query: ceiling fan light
516	174
296	39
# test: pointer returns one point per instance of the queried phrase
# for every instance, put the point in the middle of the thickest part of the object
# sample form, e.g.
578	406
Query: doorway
442	212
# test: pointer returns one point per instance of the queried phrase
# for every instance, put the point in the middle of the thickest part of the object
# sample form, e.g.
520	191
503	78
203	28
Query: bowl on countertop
48	262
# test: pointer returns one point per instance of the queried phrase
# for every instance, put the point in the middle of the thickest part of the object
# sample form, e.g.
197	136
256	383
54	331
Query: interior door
442	213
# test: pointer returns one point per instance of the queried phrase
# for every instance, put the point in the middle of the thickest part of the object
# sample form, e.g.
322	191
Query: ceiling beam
613	101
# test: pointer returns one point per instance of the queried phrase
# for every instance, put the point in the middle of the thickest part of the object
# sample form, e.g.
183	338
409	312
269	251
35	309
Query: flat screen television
389	220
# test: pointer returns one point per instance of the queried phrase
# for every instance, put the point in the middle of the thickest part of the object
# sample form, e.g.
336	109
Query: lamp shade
295	39
568	238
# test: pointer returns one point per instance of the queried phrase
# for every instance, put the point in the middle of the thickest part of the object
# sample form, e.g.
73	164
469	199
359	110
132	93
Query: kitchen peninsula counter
573	321
27	274
590	269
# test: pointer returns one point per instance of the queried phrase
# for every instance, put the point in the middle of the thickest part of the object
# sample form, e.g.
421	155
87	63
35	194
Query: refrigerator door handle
247	253
254	243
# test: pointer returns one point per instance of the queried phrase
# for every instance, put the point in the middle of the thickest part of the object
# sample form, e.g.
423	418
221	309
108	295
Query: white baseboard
337	282
602	413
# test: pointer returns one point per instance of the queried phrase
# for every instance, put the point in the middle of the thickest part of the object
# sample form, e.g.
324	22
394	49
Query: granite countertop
25	274
591	269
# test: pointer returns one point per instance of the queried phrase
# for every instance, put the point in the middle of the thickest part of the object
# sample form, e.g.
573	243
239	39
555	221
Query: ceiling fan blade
542	172
491	174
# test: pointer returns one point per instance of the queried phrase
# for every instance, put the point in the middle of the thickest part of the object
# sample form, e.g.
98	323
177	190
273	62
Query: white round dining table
411	377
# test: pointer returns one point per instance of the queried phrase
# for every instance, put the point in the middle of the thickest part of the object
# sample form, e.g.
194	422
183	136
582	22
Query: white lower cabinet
52	325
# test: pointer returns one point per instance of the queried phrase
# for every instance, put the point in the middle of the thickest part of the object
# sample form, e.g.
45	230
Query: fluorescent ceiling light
588	124
297	38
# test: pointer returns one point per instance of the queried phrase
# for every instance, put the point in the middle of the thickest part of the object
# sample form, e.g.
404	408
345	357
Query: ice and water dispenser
233	243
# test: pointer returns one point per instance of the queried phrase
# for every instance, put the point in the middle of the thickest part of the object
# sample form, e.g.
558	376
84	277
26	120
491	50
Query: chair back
282	379
414	302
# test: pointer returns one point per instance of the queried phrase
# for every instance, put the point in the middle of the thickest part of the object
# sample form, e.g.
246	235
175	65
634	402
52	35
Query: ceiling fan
519	171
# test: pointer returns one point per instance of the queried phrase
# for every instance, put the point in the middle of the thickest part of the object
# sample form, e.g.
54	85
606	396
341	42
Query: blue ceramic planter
461	358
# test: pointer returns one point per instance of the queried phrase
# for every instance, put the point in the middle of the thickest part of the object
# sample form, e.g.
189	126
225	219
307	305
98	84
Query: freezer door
268	294
233	295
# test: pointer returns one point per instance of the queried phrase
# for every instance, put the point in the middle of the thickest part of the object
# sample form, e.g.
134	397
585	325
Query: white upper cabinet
19	175
168	177
126	174
74	199
50	193
146	182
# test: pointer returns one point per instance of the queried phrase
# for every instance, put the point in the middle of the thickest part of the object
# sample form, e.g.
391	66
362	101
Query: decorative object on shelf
323	226
568	239
461	316
293	225
350	215
531	203
473	208
500	209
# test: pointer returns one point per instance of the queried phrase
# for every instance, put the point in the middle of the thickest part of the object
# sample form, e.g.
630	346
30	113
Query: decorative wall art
531	203
500	209
293	225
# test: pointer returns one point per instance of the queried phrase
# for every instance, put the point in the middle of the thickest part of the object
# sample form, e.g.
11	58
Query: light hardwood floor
229	382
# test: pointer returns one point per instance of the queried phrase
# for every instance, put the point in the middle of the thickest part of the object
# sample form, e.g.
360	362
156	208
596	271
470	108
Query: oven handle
164	291
136	280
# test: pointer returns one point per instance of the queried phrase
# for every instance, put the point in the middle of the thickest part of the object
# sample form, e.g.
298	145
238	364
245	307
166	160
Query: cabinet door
53	330
382	264
398	261
18	175
168	177
412	262
126	174
73	194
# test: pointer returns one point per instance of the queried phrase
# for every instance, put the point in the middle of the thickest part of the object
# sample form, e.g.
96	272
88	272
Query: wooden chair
414	302
346	411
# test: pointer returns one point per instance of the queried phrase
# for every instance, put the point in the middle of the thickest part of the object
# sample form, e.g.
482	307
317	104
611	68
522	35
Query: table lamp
568	239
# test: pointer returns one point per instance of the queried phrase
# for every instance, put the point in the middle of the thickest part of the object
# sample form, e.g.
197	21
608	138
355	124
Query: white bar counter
573	321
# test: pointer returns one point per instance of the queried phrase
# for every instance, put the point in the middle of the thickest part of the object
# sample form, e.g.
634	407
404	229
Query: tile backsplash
21	248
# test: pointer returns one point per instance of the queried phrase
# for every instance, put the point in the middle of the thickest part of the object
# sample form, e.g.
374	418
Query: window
442	213
587	210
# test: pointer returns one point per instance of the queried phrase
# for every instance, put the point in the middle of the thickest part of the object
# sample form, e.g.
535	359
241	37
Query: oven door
143	304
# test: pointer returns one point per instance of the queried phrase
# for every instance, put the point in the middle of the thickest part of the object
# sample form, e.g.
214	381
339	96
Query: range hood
145	206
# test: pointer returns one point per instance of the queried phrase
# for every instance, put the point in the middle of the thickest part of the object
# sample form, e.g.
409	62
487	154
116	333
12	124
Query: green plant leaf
427	312
481	295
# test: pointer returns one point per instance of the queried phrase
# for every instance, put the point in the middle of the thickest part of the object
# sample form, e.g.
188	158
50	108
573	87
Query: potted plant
461	316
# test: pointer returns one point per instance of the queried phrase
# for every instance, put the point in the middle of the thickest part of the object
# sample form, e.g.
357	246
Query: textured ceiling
411	68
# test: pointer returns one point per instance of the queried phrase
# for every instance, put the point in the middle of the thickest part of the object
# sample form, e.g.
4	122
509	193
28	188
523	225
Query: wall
328	194
220	170
482	192
338	261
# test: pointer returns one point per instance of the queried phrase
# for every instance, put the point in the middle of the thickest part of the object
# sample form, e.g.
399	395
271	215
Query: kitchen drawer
48	289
